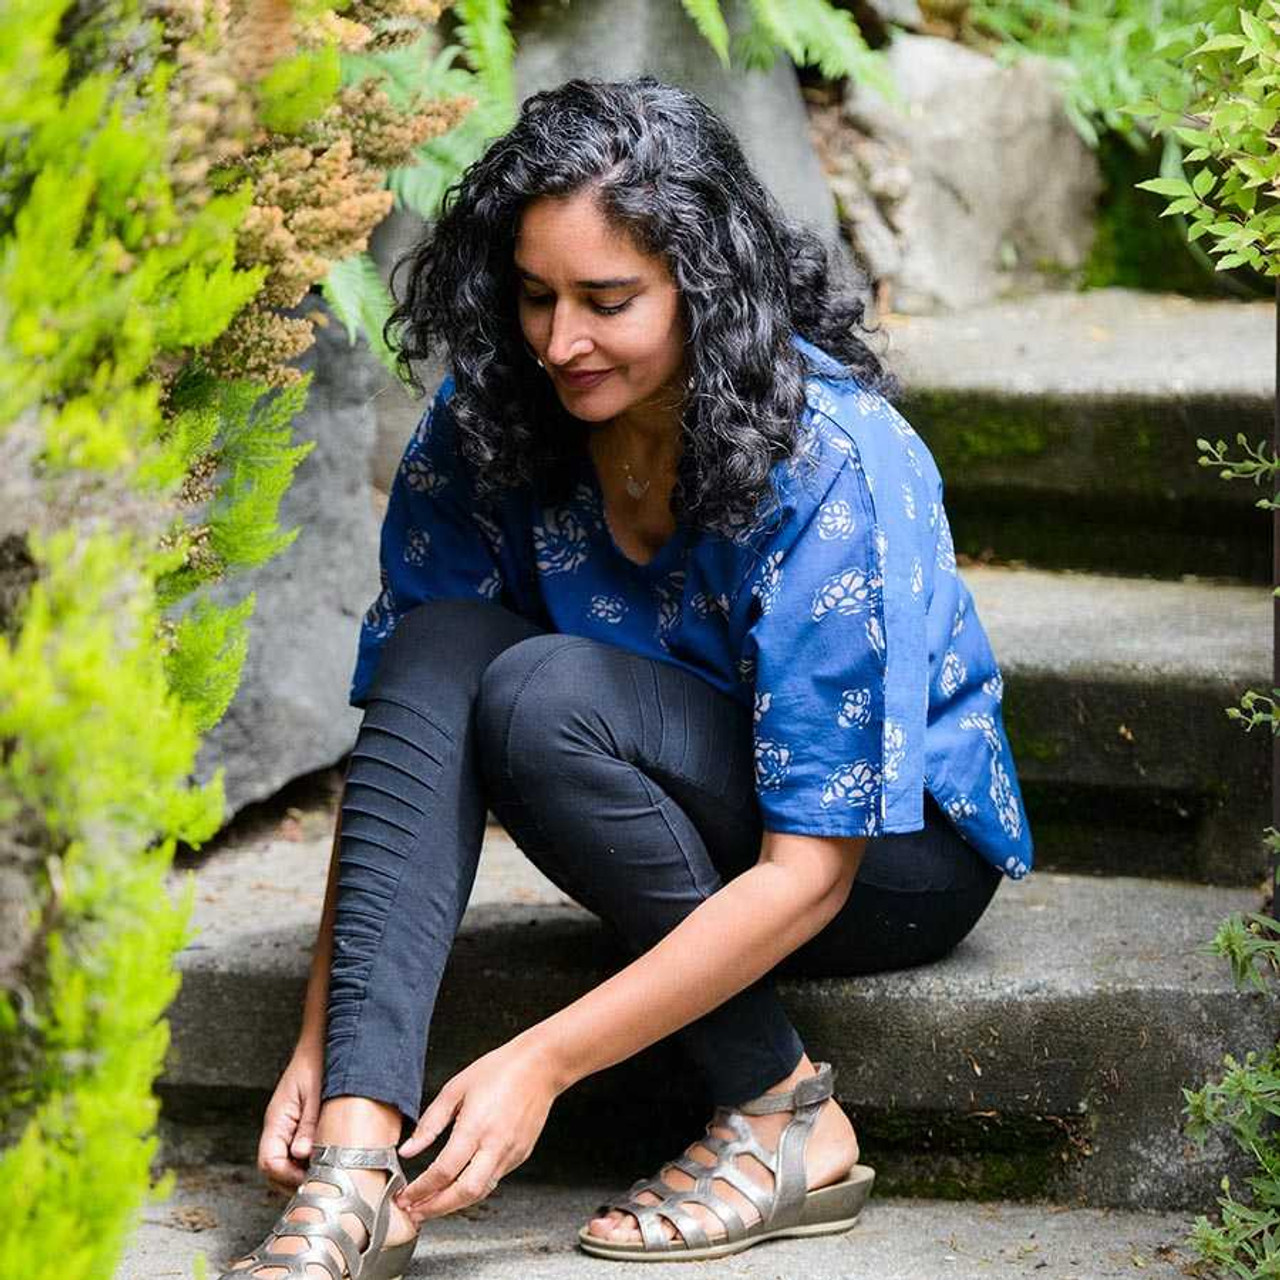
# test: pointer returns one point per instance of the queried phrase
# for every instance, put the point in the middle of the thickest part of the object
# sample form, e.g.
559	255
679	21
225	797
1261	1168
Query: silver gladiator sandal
376	1261
786	1209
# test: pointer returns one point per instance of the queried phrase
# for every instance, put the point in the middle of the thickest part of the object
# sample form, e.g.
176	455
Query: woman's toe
602	1228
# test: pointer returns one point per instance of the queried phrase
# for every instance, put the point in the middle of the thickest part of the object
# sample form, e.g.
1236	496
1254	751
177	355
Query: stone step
1044	1058
1065	424
1115	690
527	1230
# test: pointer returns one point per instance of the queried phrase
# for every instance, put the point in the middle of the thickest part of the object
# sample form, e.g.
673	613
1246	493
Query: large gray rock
396	410
290	716
617	39
975	187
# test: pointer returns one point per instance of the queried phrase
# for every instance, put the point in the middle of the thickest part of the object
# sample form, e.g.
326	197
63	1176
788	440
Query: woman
669	586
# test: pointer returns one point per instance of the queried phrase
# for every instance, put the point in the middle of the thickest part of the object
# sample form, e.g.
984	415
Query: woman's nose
569	338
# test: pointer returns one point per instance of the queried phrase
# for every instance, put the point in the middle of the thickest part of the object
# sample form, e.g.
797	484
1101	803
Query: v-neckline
661	558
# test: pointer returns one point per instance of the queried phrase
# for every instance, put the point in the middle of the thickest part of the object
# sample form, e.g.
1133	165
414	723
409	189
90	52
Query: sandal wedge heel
376	1261
789	1208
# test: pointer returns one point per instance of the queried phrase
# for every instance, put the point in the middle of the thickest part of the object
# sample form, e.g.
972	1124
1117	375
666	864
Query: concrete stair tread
527	1230
257	906
1099	342
1074	623
1115	698
1065	426
1064	1028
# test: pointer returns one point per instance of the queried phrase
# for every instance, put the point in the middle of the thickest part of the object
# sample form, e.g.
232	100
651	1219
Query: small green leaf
1165	186
1214	43
1255	29
1203	182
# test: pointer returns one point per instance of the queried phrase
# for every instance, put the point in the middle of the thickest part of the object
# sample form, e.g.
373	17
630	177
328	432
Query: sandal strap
692	1234
328	1165
332	1231
814	1089
295	1264
777	1206
333	1156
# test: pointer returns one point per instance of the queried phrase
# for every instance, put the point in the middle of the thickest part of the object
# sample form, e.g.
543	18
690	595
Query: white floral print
848	592
953	673
421	476
855	709
853	784
608	608
773	763
416	546
835	520
765	588
559	542
895	749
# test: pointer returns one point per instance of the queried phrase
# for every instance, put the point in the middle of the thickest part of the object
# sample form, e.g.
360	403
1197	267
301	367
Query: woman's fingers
475	1183
278	1127
441	1172
433	1120
304	1135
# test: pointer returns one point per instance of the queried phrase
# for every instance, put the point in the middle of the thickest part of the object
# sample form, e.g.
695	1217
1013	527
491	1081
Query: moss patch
985	1156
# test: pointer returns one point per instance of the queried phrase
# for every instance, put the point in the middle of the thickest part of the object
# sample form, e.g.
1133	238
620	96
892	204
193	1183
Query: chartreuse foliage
104	276
1227	116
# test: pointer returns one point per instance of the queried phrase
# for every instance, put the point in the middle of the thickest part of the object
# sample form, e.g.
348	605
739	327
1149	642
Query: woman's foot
346	1122
832	1150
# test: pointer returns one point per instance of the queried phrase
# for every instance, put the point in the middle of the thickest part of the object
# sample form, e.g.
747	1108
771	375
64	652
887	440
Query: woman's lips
578	380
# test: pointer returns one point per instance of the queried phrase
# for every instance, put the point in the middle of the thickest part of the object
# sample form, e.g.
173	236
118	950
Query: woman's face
590	300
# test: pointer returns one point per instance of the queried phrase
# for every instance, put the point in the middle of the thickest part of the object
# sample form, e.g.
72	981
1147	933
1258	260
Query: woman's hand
289	1124
498	1106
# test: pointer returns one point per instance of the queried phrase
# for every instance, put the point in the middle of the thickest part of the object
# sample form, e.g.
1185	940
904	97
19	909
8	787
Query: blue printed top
840	619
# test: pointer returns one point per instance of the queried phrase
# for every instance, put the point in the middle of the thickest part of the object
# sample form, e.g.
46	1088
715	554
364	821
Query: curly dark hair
668	172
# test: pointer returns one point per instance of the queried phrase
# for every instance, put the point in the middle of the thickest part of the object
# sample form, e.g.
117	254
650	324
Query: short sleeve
435	544
817	646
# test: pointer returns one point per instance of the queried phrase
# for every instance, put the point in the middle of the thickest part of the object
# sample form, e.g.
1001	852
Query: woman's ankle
803	1070
350	1121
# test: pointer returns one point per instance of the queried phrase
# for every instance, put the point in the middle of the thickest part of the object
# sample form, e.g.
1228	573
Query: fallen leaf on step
194	1218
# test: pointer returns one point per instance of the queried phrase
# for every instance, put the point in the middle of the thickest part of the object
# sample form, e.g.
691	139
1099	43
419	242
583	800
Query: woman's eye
539	299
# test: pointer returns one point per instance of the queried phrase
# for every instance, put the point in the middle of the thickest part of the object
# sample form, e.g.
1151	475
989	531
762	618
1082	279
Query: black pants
629	783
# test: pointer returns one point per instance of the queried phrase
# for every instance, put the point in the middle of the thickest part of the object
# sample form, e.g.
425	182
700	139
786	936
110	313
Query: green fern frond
755	49
484	27
407	72
356	295
814	34
710	21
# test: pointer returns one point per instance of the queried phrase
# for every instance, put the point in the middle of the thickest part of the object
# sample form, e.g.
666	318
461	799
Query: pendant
636	488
